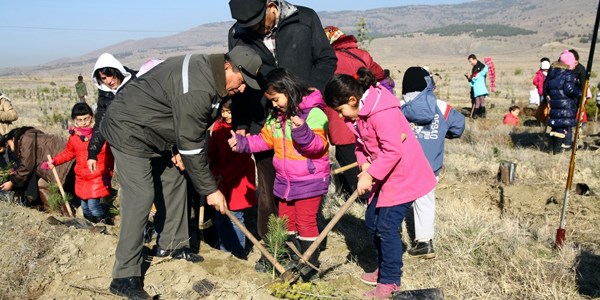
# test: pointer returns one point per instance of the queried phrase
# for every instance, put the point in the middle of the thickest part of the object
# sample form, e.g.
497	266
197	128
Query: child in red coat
90	187
235	175
512	117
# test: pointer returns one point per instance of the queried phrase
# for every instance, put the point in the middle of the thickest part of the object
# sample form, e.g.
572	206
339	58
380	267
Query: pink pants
302	216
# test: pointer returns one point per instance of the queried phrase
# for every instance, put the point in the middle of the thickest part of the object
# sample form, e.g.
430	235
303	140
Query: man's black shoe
422	250
182	253
130	287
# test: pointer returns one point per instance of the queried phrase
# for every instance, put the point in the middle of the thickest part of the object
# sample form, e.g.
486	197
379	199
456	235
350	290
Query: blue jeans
92	207
231	237
383	224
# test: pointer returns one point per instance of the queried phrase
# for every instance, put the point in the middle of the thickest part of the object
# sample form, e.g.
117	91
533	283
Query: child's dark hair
513	108
110	72
81	109
283	81
226	103
472	56
544	59
342	86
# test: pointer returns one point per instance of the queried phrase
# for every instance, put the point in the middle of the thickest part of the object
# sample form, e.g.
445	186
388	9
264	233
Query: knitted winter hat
545	65
414	80
333	33
568	58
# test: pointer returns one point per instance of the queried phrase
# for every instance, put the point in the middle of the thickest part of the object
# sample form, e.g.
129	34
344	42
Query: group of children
394	169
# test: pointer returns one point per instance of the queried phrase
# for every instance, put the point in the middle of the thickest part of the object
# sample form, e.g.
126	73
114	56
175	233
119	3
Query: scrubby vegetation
479	30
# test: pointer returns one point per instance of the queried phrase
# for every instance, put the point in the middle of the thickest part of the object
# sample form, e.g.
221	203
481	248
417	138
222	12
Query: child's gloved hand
296	121
46	166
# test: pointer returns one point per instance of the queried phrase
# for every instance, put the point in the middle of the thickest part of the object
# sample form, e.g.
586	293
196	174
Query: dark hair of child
513	108
283	81
81	109
341	87
544	59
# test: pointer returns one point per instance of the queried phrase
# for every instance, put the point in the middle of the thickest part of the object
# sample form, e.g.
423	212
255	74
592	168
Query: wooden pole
60	187
560	232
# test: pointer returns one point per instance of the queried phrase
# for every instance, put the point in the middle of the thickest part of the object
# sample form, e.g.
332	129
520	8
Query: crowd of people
253	127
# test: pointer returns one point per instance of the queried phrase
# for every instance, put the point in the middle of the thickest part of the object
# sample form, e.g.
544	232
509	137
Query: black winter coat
104	100
302	48
562	86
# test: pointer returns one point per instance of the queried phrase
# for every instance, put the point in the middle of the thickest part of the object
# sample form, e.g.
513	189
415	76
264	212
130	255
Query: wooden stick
344	168
60	187
256	243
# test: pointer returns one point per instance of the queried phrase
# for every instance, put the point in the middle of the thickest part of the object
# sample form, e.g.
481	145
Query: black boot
293	238
556	141
482	113
422	250
475	113
130	287
307	273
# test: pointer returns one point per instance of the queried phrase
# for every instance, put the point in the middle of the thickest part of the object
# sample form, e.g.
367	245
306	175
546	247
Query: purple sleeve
307	140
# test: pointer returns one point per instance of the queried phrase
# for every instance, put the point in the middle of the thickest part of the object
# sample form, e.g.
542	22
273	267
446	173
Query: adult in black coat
284	36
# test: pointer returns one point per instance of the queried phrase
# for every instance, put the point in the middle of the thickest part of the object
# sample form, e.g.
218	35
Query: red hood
345	42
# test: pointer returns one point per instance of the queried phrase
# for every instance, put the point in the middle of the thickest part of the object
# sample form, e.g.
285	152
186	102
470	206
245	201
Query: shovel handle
254	241
60	187
344	168
201	217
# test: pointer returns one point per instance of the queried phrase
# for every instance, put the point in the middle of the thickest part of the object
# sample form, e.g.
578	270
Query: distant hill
551	20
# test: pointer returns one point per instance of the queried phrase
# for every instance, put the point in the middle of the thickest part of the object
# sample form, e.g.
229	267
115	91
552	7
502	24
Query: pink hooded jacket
400	169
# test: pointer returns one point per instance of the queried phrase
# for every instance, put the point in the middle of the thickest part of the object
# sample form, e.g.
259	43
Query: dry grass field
493	241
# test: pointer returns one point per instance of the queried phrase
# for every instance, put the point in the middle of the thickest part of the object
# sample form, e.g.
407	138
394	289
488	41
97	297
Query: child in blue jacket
432	121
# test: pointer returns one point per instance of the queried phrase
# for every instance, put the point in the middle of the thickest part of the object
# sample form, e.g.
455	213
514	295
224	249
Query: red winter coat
236	170
538	81
88	185
346	48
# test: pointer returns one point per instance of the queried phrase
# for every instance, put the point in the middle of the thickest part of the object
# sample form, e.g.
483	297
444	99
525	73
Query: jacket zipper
287	178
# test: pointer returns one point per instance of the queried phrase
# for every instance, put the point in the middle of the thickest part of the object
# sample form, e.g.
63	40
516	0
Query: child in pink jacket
393	170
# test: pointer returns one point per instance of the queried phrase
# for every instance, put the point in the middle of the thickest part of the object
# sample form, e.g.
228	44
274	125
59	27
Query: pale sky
34	32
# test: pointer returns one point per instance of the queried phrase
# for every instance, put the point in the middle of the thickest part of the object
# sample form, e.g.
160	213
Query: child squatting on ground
234	173
394	171
512	117
90	186
296	130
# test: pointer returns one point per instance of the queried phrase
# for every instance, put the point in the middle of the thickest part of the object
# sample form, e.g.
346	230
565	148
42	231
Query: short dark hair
472	56
513	108
108	71
79	77
81	109
544	59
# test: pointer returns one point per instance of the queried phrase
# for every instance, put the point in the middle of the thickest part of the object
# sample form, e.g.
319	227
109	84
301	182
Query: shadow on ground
588	274
533	140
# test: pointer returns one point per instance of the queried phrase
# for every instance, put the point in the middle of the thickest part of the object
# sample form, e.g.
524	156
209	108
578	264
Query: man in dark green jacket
156	125
285	36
